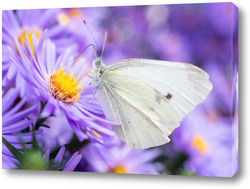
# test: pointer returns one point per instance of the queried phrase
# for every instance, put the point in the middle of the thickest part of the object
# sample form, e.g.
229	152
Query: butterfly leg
88	75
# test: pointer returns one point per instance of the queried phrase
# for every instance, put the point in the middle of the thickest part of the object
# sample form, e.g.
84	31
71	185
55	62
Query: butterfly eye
101	72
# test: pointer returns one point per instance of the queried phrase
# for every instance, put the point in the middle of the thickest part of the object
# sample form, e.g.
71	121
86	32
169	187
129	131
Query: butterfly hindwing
146	116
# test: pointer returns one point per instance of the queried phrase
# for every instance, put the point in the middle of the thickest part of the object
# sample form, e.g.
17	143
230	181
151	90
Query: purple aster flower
206	139
63	84
16	24
14	121
118	158
209	134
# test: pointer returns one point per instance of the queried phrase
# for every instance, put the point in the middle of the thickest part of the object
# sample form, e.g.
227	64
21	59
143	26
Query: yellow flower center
63	17
65	87
199	144
75	13
22	37
118	169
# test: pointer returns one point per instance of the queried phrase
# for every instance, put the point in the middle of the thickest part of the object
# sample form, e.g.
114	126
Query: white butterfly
148	98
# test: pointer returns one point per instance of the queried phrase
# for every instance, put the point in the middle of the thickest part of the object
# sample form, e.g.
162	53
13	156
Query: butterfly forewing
183	84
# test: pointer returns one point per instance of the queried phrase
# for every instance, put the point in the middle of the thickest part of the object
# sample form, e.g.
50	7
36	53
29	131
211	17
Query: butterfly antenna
80	54
104	43
84	21
85	50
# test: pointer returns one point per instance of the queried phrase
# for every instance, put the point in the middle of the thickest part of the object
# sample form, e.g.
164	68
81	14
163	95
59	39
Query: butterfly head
97	61
98	65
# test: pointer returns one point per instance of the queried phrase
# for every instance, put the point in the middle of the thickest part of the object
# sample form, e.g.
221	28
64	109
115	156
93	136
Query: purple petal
46	155
18	116
50	55
11	72
14	109
16	126
26	137
8	99
79	133
59	156
49	108
73	161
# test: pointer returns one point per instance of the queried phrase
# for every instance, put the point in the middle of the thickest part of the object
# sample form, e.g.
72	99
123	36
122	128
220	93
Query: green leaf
34	141
40	121
75	144
44	125
185	172
58	168
27	118
177	163
21	142
16	153
55	165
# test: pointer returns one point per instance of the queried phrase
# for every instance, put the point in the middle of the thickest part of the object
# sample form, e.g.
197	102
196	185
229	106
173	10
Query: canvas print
148	89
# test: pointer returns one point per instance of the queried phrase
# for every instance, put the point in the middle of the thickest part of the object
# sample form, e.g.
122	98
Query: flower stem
39	120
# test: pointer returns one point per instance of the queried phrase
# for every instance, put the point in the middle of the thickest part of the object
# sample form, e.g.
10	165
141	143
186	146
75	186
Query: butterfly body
98	69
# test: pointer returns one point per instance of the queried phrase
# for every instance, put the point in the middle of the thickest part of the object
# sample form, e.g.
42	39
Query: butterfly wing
185	85
149	98
147	118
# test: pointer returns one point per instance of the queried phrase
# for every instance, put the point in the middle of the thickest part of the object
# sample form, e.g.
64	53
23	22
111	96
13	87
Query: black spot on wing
168	96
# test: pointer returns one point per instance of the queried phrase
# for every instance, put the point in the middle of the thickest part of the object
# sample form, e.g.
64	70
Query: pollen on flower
96	133
199	144
65	87
118	169
21	37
